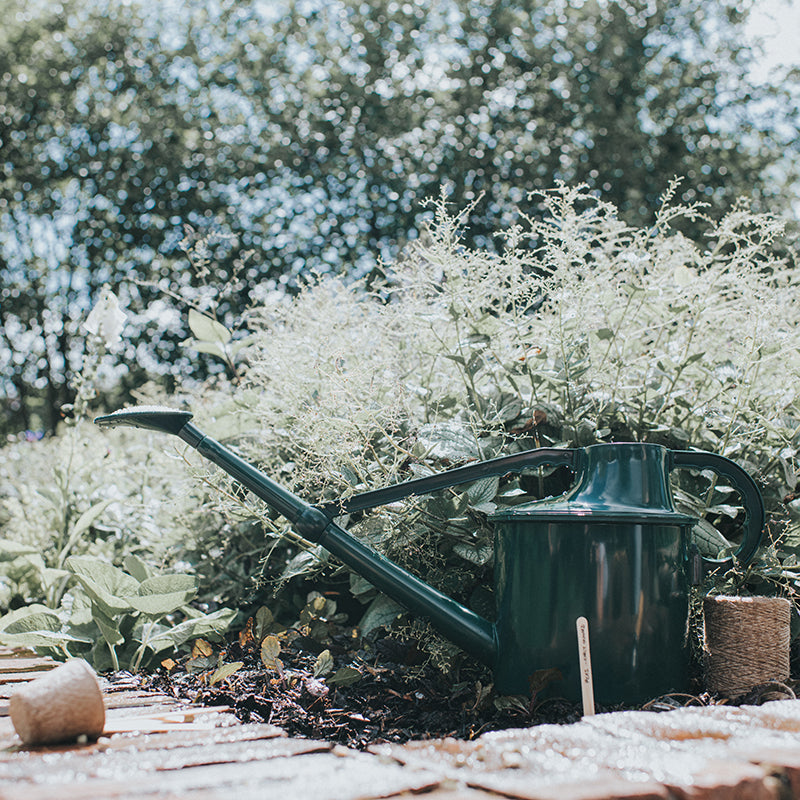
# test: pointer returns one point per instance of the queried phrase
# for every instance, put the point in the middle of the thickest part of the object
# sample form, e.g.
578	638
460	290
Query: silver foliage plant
91	531
579	329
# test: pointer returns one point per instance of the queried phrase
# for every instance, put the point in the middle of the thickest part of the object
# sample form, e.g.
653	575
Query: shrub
580	330
77	504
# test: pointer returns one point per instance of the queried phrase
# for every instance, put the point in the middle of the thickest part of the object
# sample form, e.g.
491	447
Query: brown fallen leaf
201	648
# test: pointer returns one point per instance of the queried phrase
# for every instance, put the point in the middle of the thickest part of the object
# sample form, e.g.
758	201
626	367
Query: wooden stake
585	660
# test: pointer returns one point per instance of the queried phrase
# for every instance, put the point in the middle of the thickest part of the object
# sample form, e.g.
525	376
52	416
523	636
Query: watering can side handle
553	456
755	516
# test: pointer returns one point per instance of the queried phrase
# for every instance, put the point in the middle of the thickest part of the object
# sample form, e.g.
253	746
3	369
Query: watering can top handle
471	472
748	490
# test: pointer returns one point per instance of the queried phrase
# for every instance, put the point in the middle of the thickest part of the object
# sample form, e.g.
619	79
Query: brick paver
157	748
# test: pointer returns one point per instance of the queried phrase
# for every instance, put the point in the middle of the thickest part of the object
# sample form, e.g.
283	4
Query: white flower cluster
107	319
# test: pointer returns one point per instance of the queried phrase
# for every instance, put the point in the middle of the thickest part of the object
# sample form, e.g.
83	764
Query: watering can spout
464	627
156	418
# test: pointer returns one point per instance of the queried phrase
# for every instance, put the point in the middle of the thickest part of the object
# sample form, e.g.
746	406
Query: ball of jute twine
746	642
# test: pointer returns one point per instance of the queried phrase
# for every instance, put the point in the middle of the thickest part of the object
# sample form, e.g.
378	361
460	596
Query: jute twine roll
746	642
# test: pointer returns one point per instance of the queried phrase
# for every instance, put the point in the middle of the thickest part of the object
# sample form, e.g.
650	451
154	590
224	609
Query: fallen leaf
201	648
324	663
344	676
224	671
270	650
168	664
246	636
201	664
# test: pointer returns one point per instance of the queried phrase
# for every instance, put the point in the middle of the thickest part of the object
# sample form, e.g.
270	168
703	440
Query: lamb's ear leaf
214	624
34	626
163	594
137	567
207	329
107	585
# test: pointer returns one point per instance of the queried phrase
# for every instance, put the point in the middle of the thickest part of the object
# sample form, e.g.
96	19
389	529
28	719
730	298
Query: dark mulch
391	701
319	679
391	698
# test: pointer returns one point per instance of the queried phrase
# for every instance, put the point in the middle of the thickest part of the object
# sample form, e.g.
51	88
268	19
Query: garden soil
388	693
319	678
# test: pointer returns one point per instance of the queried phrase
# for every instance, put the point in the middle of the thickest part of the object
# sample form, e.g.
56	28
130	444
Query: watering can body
613	550
628	581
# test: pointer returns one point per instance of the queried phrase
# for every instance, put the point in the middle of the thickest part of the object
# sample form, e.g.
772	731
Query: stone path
159	749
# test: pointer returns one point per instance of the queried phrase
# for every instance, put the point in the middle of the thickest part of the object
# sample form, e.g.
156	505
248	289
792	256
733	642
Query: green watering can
612	550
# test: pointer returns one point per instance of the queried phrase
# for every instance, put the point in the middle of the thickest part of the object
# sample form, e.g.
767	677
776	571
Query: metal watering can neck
622	477
611	476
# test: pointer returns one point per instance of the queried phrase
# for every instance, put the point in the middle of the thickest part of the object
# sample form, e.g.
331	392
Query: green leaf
708	539
239	344
34	626
109	627
27	567
39	639
448	440
11	550
215	624
303	563
324	664
224	671
50	575
360	586
483	491
86	519
479	554
82	524
163	594
104	583
457	359
159	605
604	333
207	329
30	618
476	341
168	584
725	509
137	567
212	348
510	408
265	620
344	676
381	611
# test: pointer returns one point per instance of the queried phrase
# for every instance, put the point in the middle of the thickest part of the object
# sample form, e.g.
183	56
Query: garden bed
392	698
388	694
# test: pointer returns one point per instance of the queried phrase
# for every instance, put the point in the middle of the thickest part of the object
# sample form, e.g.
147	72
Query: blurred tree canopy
310	131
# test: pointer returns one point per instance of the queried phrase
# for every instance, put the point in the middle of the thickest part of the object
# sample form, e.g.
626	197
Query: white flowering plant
581	329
